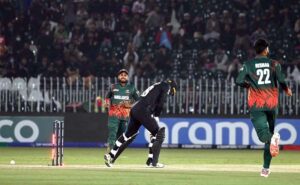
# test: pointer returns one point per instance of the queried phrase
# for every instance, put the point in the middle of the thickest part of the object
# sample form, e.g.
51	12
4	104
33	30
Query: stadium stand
192	38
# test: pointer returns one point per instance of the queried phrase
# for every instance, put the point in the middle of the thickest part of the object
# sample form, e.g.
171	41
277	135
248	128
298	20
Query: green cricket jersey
117	94
261	76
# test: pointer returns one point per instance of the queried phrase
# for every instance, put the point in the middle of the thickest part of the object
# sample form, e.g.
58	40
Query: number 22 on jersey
264	76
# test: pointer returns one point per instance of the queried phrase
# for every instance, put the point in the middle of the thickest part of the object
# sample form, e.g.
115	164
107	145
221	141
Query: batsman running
145	112
261	76
119	100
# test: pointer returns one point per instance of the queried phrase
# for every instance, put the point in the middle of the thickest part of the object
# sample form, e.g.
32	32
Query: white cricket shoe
158	165
274	146
108	160
265	172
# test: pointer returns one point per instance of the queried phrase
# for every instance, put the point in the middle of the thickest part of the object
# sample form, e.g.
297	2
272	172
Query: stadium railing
195	96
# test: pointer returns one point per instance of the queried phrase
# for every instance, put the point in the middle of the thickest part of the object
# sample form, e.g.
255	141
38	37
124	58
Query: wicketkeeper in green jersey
261	76
119	100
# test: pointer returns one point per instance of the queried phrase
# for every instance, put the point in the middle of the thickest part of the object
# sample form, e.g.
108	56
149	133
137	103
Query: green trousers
264	123
116	127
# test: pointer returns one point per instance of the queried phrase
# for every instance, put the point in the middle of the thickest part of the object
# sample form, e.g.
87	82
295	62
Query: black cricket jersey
153	98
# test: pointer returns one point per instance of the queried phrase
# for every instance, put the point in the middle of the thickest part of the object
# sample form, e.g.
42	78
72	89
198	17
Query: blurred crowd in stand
162	38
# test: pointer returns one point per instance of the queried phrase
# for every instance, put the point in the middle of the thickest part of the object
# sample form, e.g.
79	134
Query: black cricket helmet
173	87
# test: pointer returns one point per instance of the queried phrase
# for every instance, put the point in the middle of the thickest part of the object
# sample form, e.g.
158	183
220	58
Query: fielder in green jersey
118	100
261	77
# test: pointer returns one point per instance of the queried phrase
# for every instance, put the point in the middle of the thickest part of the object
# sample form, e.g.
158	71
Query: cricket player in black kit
145	112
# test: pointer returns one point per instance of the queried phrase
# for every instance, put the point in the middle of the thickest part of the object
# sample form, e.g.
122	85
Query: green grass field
183	167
